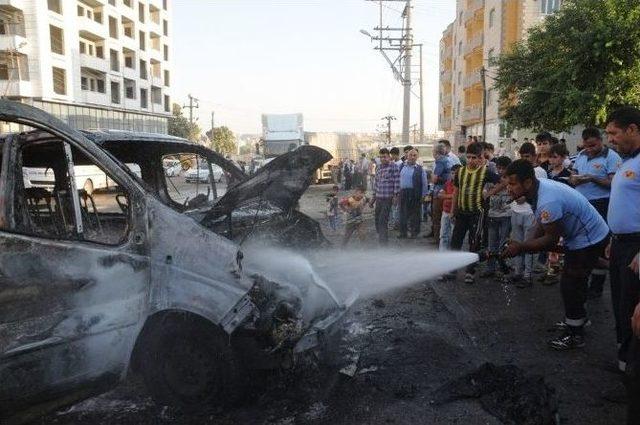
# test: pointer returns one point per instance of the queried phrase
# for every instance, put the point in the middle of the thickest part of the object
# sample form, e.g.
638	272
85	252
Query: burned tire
188	363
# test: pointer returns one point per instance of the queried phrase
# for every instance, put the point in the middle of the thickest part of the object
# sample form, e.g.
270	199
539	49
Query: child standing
499	223
353	206
446	224
332	208
557	170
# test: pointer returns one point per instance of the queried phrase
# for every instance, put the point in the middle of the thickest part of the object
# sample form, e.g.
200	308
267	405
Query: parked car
87	177
200	173
88	294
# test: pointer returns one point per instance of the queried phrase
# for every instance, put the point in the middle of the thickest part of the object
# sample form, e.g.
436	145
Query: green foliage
224	141
180	126
246	149
575	68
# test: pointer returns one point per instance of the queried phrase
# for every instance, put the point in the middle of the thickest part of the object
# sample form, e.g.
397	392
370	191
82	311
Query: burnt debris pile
506	392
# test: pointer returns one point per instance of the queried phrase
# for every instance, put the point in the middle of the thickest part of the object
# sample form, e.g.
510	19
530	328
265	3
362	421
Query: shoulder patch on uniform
630	174
545	215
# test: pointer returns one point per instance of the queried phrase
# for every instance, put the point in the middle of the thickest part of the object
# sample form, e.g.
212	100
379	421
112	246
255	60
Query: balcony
94	98
13	43
445	124
16	88
474	8
472	78
475	4
471	114
130	73
12	4
473	44
93	62
96	30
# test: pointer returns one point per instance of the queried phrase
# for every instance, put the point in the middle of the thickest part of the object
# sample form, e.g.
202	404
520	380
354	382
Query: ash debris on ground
506	392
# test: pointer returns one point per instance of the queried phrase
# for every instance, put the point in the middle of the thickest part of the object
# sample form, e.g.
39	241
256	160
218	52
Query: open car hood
281	182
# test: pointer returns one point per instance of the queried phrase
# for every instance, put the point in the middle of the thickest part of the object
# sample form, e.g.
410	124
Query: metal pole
421	100
191	109
408	42
389	130
484	103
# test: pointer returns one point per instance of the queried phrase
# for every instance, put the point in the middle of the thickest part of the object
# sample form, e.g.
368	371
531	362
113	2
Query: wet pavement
403	347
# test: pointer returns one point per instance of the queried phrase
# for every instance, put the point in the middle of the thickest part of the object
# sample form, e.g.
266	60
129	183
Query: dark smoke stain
505	392
111	260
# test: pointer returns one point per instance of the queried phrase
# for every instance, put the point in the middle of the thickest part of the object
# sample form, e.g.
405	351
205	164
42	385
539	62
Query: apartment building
482	30
91	63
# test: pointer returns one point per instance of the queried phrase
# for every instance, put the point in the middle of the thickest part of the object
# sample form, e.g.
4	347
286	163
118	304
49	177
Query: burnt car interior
44	200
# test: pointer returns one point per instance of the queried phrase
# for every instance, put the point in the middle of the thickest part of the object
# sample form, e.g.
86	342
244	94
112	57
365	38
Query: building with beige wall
91	63
482	29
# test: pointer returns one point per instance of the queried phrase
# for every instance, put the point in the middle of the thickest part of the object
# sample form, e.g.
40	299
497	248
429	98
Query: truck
281	133
329	142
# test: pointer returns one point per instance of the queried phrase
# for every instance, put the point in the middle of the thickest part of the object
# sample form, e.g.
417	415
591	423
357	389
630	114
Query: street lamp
365	32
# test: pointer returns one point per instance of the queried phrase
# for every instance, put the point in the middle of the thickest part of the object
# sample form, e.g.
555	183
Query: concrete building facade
482	30
91	63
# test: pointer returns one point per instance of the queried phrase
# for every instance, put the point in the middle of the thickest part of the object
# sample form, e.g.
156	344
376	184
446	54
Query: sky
243	58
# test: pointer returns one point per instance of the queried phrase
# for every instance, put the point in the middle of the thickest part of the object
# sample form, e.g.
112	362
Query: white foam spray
341	275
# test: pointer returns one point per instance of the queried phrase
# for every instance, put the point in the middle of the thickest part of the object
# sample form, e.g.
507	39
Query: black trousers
382	213
410	208
574	281
467	223
625	287
632	382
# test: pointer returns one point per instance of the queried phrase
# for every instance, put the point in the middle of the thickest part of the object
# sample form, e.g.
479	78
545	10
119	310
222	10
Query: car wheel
189	363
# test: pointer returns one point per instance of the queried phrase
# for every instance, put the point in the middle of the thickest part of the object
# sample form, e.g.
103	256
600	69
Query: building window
156	96
113	27
143	69
55	6
166	52
115	92
112	2
128	3
166	78
115	60
129	89
459	47
165	27
143	41
141	12
59	81
167	103
460	18
490	56
164	4
144	100
492	17
4	71
459	77
458	109
128	27
547	7
56	37
128	62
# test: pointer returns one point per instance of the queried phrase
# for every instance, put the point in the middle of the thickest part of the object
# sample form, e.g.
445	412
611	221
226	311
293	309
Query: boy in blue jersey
561	212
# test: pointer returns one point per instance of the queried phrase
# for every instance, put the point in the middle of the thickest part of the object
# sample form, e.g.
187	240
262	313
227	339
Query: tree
224	141
576	67
180	126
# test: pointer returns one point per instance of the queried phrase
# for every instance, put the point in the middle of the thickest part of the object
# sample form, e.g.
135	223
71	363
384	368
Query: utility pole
213	114
414	131
389	118
191	107
401	65
408	45
421	97
483	80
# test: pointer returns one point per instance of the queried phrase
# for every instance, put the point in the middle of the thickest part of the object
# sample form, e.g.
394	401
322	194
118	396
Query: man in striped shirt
385	193
467	209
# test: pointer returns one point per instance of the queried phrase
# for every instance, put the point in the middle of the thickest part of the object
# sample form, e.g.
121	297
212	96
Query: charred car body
143	275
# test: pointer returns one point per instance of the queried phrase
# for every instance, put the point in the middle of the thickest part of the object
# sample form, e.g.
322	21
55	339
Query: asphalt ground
402	346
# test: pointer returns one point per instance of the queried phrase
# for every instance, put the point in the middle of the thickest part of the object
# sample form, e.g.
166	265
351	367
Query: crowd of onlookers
528	212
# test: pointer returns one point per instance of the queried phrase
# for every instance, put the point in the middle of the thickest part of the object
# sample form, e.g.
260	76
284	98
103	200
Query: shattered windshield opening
191	181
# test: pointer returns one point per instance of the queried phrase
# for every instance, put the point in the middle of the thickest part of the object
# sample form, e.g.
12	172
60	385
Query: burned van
95	281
